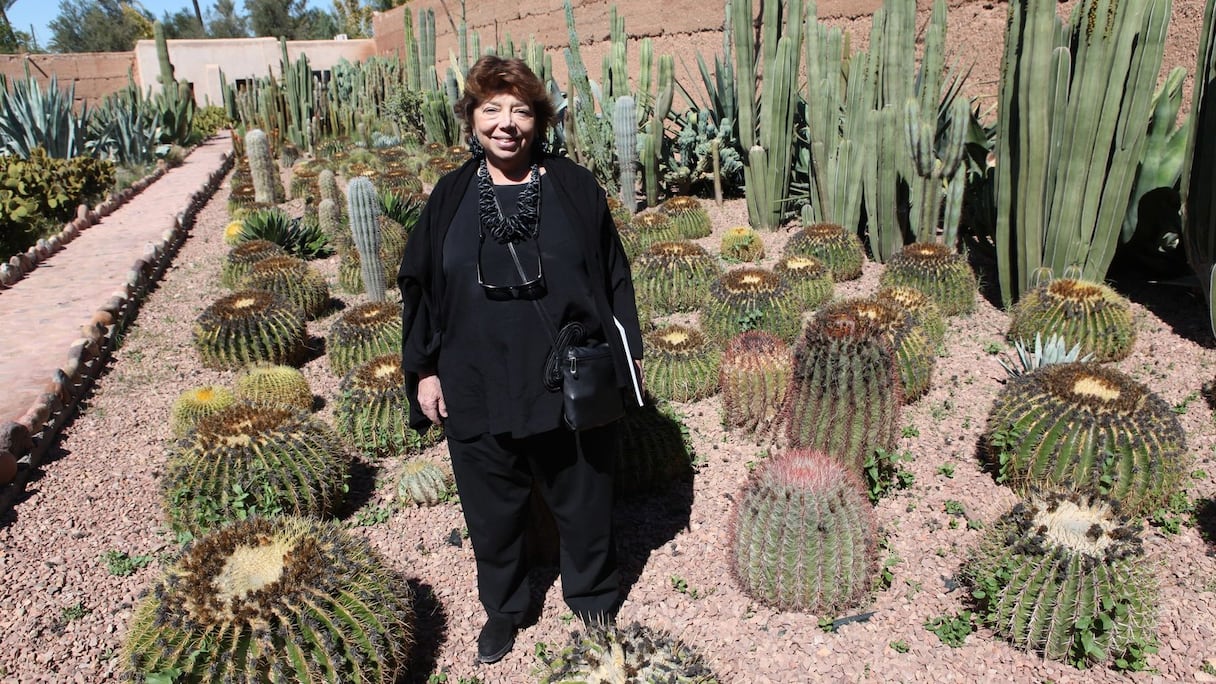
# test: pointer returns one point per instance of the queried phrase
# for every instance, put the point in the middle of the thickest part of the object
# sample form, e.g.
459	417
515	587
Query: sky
40	13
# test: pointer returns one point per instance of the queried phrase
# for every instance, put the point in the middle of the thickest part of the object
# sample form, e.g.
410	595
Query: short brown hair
492	75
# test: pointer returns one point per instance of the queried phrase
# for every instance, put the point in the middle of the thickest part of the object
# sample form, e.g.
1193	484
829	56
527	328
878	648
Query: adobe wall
96	74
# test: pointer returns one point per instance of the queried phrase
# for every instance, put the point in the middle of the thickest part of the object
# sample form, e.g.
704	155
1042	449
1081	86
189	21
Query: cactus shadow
983	264
647	522
430	633
1177	303
1205	521
314	348
362	487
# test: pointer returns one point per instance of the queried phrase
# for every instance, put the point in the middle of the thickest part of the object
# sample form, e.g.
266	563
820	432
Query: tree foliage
292	20
182	24
98	26
224	21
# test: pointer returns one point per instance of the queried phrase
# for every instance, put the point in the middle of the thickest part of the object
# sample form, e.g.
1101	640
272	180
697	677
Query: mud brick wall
96	74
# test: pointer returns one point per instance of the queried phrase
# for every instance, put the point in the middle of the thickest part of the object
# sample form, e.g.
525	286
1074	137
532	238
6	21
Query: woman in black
512	228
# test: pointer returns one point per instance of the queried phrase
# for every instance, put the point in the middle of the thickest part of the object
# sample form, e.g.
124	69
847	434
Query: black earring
475	148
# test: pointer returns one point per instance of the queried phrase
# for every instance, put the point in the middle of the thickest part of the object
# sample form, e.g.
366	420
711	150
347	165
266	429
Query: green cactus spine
674	276
625	132
681	365
274	599
1087	428
754	375
1091	315
918	305
292	278
844	397
241	258
274	385
608	653
372	410
262	167
839	250
914	354
690	218
362	333
936	270
808	278
195	404
247	327
804	536
251	460
1065	577
364	211
750	298
423	483
654	452
742	244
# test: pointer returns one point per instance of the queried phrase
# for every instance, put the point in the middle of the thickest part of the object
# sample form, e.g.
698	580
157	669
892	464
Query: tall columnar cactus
654	452
292	278
690	218
938	271
1065	577
844	397
674	276
803	536
1199	170
247	327
837	248
1087	428
1074	107
1091	315
422	483
372	410
166	77
918	305
808	278
195	404
274	599
914	353
274	385
327	186
241	258
364	210
681	365
362	333
262	167
251	460
753	376
750	298
940	176
741	243
608	653
329	217
625	132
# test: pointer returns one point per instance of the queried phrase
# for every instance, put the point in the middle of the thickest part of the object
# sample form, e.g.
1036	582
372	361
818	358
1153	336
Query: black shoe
496	639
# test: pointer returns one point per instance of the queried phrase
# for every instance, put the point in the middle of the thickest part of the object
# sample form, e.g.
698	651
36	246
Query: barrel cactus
913	351
844	396
646	229
1064	576
327	186
1087	428
248	327
621	215
754	374
253	460
807	278
362	333
274	600
195	404
293	279
918	305
372	410
681	365
838	249
936	270
608	653
750	298
674	276
803	536
241	258
234	233
422	482
304	181
270	384
1083	313
689	217
329	218
654	451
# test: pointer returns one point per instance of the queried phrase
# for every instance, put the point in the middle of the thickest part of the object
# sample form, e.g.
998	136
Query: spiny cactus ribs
674	276
193	405
1089	314
936	270
241	258
753	376
913	353
918	305
689	217
681	364
247	327
274	600
750	298
647	229
742	244
808	278
654	449
274	385
1064	576
804	536
1089	428
372	410
606	653
362	333
839	250
253	460
291	278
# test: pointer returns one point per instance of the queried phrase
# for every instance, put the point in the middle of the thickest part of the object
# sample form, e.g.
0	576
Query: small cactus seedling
274	385
293	279
754	375
607	653
750	298
674	276
372	410
839	250
689	217
680	364
936	270
422	483
742	244
362	333
195	404
248	327
1091	315
808	278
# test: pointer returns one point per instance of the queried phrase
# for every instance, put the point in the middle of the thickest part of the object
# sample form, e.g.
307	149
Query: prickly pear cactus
936	270
195	404
690	218
422	483
274	599
839	250
1082	313
803	536
808	278
750	298
742	244
1064	576
681	364
372	410
247	327
1087	428
754	375
293	279
275	385
607	653
362	333
674	276
241	258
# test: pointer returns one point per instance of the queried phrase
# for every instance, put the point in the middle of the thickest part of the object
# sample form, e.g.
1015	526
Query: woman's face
506	127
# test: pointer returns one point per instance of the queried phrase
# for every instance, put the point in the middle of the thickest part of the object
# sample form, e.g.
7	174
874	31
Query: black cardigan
421	278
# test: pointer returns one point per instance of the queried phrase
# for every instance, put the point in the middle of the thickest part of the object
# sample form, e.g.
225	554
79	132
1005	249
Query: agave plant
126	129
1044	354
304	239
32	117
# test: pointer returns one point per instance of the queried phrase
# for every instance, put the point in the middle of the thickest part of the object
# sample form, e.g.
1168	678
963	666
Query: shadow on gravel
1180	305
362	487
646	523
1205	521
430	632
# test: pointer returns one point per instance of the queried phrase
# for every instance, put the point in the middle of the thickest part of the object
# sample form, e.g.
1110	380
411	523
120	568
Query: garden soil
63	613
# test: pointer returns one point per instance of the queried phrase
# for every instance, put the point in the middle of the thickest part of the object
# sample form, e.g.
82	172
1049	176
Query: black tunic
494	351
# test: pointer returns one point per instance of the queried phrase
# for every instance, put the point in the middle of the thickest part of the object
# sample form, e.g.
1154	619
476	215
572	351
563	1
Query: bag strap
571	334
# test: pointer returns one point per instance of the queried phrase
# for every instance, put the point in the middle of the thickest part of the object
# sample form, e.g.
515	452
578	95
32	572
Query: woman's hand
430	396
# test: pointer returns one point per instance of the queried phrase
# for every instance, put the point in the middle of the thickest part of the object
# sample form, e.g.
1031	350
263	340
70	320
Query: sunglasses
530	290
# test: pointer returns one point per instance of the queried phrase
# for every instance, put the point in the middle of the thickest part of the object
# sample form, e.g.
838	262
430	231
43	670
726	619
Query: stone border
31	436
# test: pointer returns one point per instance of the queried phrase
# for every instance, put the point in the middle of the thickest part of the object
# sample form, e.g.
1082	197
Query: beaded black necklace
520	226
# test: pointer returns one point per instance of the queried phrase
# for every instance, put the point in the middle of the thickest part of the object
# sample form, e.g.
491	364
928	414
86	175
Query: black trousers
495	475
